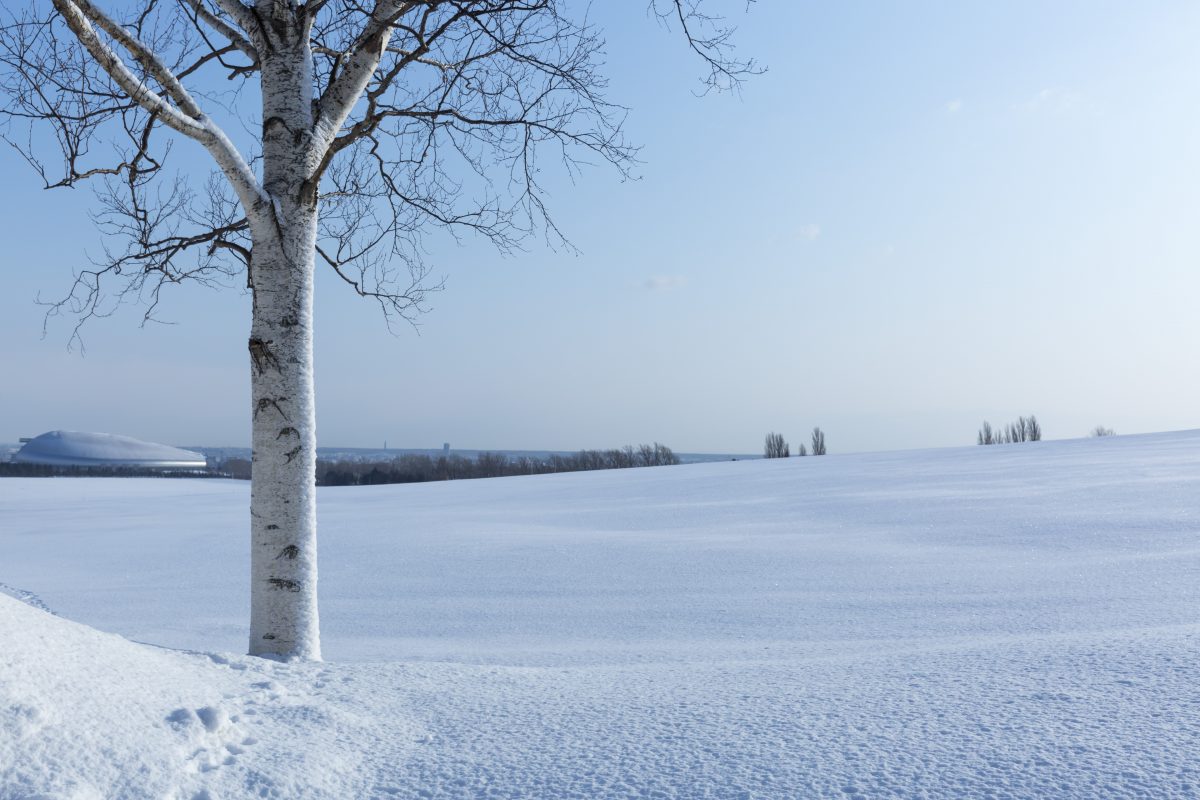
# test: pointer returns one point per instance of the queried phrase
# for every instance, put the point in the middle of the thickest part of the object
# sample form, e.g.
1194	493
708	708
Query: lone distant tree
377	120
774	446
1100	430
818	442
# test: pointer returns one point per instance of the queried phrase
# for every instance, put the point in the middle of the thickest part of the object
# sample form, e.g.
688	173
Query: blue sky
920	217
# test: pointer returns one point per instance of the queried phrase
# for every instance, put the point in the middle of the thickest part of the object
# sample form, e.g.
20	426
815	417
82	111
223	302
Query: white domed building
75	449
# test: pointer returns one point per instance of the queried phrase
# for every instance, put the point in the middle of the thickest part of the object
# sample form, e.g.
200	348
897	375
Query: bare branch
79	15
170	238
201	13
406	304
430	116
362	60
188	118
242	15
709	38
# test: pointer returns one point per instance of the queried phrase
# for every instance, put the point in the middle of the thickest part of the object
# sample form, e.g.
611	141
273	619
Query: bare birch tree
818	442
775	446
377	121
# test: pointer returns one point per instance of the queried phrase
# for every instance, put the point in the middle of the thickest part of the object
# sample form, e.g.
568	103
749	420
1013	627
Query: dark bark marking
261	356
291	454
308	193
262	28
268	636
265	403
282	30
289	321
298	135
290	552
272	527
377	42
288	431
271	122
284	583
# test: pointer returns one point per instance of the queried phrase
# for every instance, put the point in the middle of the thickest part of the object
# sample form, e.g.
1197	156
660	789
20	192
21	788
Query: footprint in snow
20	721
214	734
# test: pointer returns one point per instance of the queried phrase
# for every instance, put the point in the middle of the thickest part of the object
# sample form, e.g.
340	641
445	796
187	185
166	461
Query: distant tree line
418	468
775	446
20	470
1100	430
1025	429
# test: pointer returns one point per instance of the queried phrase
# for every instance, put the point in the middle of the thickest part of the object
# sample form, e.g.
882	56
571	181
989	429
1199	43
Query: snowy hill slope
1009	621
86	715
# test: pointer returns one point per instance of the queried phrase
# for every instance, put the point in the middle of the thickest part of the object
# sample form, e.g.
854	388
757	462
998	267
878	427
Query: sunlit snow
1008	621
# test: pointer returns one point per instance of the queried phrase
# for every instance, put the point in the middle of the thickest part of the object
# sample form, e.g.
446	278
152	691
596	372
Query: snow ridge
25	596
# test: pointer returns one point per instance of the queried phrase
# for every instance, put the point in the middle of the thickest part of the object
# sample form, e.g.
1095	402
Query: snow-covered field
1012	621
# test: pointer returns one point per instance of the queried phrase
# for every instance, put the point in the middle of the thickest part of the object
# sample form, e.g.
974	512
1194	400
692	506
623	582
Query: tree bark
283	595
283	518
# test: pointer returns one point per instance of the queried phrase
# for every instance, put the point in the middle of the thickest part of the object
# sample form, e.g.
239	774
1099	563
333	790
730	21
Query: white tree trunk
283	594
283	513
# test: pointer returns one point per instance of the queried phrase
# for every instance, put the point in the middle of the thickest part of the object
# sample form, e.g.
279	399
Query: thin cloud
809	232
954	106
1051	99
660	283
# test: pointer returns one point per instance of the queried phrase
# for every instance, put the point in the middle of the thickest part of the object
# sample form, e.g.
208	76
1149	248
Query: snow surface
1007	621
75	448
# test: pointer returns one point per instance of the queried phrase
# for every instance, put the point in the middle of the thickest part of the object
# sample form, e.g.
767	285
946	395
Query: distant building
75	449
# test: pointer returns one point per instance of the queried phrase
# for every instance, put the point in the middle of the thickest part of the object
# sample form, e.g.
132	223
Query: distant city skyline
919	218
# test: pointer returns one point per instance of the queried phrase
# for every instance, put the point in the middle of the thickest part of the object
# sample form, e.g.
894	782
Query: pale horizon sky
919	218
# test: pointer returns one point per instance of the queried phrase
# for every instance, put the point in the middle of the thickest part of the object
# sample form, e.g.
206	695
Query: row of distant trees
1025	429
775	446
417	468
